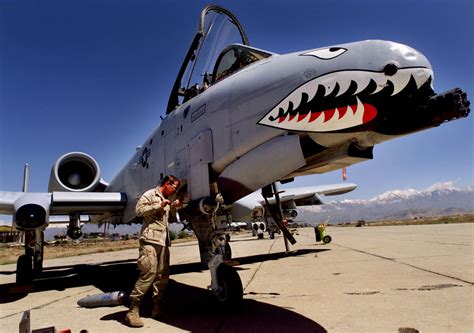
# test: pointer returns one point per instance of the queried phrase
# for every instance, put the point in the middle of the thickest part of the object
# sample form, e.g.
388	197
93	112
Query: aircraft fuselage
301	113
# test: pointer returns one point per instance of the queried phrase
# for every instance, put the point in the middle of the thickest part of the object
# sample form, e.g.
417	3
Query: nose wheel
230	292
225	282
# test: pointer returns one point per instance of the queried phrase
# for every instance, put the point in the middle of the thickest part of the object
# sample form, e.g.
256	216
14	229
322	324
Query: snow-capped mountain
439	199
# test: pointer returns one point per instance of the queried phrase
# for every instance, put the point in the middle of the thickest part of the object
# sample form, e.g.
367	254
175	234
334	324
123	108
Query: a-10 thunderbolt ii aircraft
240	119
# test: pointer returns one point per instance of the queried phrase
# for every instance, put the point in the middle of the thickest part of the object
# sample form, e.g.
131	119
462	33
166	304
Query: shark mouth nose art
343	100
334	119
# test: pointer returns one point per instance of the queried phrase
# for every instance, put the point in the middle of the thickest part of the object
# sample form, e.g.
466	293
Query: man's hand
176	203
165	203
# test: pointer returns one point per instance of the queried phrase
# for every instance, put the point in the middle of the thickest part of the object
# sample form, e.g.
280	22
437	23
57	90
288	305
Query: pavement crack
407	264
438	287
269	294
365	293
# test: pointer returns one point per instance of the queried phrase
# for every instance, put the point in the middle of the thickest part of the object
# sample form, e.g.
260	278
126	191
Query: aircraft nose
405	51
353	87
404	56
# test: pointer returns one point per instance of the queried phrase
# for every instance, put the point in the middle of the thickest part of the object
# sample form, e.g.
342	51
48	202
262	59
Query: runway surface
369	279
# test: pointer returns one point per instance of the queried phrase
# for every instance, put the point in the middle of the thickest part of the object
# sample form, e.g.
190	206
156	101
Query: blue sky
95	76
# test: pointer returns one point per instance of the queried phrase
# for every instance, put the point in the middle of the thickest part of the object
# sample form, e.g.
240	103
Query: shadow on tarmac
189	308
104	275
194	309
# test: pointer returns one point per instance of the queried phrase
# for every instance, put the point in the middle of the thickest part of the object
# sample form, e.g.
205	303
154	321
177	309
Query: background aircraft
239	119
253	212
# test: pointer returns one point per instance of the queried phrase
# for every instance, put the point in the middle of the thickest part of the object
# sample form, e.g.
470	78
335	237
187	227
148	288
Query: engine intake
75	172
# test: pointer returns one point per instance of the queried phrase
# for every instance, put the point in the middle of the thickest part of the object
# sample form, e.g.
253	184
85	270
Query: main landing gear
30	264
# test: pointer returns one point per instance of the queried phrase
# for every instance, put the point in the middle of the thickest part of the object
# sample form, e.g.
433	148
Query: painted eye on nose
326	54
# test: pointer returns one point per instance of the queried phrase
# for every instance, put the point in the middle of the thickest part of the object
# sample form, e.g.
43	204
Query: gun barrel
430	112
447	106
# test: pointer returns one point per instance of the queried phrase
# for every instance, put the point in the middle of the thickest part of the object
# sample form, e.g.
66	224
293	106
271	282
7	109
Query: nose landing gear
211	229
225	282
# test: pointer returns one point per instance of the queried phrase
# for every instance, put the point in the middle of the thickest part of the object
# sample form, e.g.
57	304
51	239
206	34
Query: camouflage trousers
154	265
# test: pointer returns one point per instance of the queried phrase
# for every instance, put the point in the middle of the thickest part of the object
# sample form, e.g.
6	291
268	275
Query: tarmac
405	279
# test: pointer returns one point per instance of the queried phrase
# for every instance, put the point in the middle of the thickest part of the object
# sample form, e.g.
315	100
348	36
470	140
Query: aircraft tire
327	239
260	236
232	291
24	269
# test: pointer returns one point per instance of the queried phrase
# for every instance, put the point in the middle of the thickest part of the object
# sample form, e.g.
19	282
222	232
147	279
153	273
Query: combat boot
133	316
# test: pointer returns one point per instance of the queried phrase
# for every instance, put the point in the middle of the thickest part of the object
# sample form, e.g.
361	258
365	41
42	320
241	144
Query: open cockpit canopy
219	48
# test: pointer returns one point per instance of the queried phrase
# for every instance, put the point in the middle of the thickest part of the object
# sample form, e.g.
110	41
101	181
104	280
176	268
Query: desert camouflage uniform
154	255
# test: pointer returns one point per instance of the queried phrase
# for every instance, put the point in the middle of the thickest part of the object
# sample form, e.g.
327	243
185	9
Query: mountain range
439	199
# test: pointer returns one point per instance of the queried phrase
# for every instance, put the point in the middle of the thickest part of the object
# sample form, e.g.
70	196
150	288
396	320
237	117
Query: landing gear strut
210	224
225	281
30	264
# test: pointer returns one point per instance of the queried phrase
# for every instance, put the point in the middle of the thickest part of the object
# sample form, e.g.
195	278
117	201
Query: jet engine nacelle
75	172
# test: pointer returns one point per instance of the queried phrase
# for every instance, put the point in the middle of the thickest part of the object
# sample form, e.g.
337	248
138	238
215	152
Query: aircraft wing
290	198
32	210
305	196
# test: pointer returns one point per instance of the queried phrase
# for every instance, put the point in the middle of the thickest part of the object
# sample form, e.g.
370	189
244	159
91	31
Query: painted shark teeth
332	119
288	113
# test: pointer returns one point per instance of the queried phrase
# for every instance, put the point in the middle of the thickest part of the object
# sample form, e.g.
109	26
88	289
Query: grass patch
10	254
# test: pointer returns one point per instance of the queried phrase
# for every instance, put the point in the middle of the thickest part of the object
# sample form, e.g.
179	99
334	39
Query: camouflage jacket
155	227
